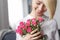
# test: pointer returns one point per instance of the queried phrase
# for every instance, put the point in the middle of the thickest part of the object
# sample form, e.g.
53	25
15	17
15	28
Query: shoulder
53	21
27	17
23	20
50	22
53	24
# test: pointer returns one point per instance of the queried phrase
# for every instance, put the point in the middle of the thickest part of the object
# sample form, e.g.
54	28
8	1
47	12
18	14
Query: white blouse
49	27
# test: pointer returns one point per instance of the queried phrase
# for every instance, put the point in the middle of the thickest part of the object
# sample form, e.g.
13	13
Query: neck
33	13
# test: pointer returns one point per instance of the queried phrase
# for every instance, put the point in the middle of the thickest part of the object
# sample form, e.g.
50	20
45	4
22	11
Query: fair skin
38	9
33	35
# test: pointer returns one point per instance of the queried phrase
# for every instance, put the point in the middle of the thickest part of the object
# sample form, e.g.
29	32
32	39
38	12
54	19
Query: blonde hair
51	7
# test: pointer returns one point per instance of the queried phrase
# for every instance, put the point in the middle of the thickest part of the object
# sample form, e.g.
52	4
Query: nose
40	6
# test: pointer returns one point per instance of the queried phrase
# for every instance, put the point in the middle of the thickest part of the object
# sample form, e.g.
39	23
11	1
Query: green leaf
44	38
33	28
39	27
24	31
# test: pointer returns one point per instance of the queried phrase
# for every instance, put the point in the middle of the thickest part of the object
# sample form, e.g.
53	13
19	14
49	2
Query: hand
34	35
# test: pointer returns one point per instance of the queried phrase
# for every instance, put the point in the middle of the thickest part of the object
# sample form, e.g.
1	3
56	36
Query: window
15	11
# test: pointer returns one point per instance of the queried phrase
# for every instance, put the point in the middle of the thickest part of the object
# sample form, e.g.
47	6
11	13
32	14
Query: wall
3	14
57	15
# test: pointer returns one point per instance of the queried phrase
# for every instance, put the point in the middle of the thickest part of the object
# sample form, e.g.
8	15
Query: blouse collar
44	17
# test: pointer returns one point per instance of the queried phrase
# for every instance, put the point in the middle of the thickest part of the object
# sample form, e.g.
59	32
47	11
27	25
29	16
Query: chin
40	14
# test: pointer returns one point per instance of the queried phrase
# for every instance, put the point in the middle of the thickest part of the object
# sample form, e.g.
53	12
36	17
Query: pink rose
19	27
28	22
40	19
34	22
22	23
19	31
22	26
29	29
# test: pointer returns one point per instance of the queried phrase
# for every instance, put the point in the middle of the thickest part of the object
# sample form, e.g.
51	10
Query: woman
50	29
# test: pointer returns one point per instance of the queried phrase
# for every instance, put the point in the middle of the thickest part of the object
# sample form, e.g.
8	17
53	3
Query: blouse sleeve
51	30
54	33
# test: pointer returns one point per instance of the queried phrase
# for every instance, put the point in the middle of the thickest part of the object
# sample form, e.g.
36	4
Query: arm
55	34
52	30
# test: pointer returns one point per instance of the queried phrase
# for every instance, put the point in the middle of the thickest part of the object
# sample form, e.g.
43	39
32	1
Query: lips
38	11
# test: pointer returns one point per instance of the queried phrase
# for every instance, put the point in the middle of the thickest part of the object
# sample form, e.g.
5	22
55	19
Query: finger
36	34
35	38
42	33
39	39
28	35
34	31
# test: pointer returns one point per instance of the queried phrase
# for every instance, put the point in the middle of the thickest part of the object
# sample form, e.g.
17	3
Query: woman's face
39	7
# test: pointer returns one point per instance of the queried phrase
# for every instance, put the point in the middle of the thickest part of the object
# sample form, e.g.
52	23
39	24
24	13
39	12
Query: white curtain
15	12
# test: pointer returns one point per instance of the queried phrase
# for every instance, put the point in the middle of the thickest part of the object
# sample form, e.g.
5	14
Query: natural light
15	11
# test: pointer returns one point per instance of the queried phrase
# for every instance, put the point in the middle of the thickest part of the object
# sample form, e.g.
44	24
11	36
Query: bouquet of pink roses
29	26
